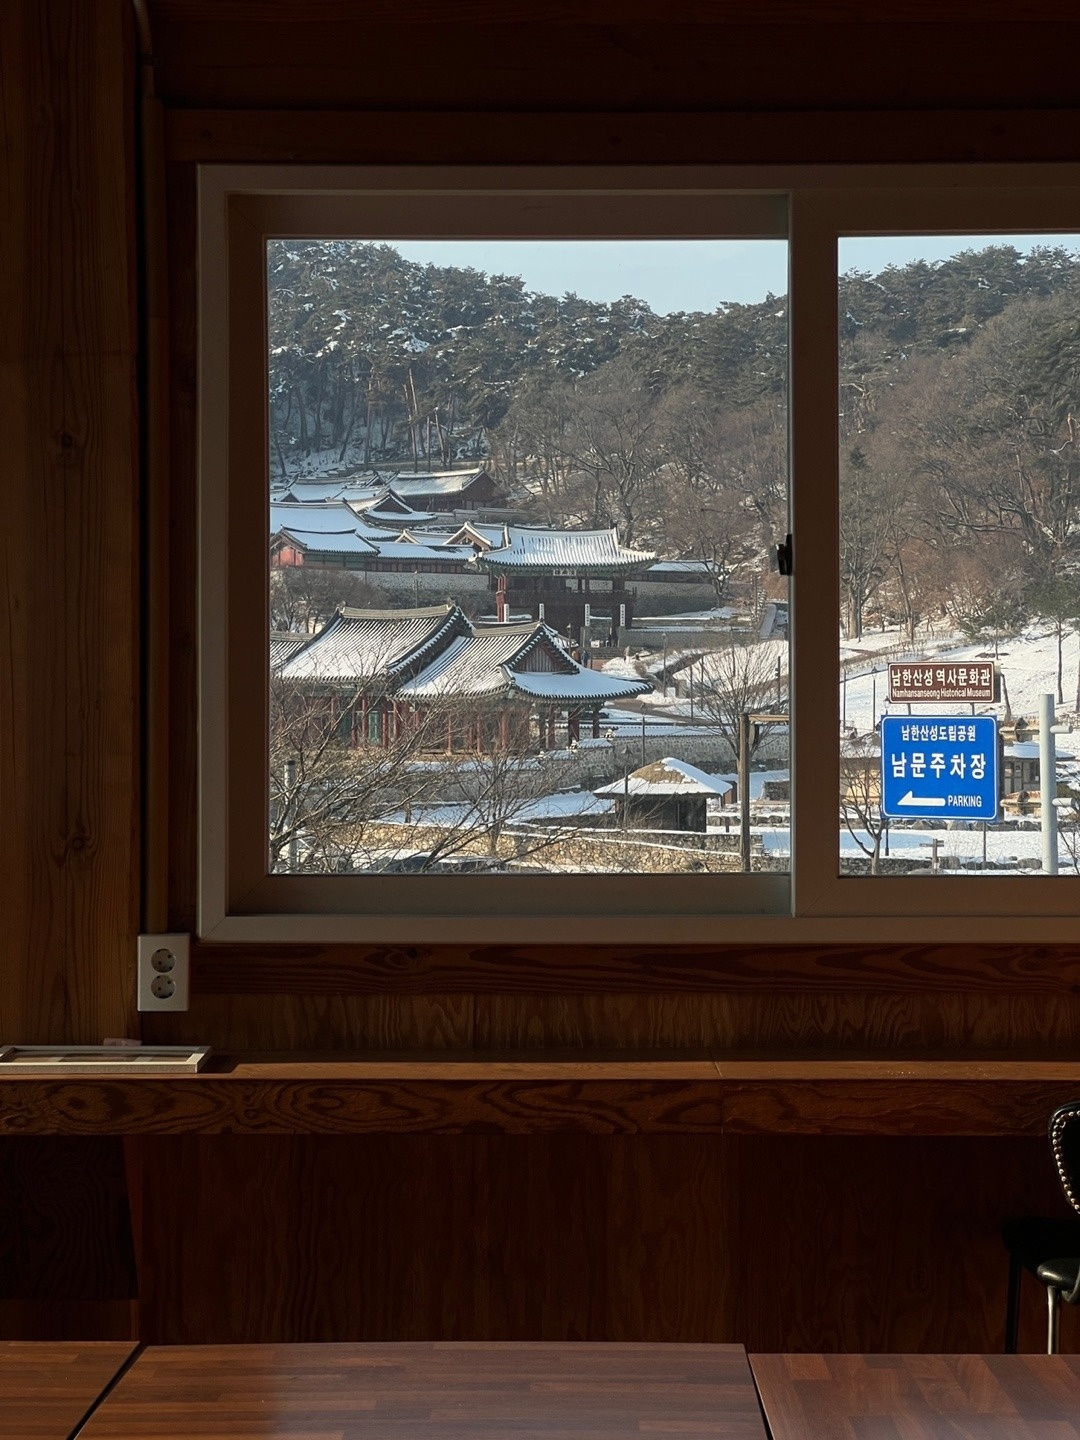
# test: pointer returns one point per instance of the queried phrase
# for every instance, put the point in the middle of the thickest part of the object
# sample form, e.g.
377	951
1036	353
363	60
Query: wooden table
46	1388
433	1392
920	1397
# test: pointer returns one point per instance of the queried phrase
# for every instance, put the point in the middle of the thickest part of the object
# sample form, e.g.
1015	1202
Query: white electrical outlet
164	969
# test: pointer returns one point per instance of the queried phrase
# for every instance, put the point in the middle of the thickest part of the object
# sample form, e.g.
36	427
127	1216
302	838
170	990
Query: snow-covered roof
414	483
531	548
316	542
495	659
667	777
1029	750
357	646
324	517
391	518
487	536
436	652
406	550
588	685
316	489
383	506
283	645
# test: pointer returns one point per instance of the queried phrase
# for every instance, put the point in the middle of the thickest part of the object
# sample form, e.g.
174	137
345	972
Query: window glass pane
960	554
523	499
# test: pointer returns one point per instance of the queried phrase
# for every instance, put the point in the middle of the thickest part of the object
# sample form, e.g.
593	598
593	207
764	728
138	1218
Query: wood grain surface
391	1237
705	138
209	53
782	1242
378	1392
47	1388
65	1229
734	969
531	1095
920	1397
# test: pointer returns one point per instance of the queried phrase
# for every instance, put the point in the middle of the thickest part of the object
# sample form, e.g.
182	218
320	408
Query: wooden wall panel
68	414
712	137
67	1262
476	1237
1038	1023
793	1243
214	55
887	1245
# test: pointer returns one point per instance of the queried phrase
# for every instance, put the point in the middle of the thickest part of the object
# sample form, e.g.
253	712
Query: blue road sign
939	767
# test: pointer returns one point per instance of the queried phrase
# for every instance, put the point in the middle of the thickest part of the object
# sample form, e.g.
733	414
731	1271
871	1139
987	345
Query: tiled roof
586	685
535	549
357	646
490	534
405	550
314	542
323	517
282	646
409	484
437	652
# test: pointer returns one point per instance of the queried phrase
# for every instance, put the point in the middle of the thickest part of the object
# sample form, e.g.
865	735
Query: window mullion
815	711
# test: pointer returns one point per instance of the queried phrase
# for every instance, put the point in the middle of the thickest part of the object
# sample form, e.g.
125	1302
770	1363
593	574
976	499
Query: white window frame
240	208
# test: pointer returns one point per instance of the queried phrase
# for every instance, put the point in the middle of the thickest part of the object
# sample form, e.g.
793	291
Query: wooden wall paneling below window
780	1243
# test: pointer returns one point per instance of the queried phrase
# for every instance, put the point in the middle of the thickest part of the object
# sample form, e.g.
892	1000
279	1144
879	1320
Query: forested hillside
959	392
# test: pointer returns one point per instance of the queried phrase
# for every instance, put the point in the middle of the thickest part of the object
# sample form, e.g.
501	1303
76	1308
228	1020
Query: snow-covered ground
1028	664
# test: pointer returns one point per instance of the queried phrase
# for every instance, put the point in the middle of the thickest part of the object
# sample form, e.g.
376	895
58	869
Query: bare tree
440	780
739	680
860	795
305	597
324	788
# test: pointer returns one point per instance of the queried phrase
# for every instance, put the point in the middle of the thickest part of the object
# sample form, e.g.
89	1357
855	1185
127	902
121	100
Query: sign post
939	767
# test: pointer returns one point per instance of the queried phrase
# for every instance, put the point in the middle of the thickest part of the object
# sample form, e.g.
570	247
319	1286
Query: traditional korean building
562	576
438	491
382	674
666	795
331	533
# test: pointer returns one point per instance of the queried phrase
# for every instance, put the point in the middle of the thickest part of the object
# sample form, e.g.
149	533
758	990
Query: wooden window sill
695	1093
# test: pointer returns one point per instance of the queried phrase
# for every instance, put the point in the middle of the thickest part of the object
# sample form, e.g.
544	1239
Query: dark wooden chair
1061	1273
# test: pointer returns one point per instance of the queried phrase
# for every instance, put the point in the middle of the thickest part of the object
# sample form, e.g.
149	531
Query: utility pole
626	789
749	721
1048	784
744	791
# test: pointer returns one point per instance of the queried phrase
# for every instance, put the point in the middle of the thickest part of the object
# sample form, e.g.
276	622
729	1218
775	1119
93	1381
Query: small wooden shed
666	795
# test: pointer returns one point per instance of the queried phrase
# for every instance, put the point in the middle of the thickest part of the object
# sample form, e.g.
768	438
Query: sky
674	275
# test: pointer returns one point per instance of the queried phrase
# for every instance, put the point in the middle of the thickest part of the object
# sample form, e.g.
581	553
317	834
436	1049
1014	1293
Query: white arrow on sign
910	799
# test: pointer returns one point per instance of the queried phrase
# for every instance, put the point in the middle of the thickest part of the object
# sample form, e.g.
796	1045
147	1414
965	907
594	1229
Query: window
400	891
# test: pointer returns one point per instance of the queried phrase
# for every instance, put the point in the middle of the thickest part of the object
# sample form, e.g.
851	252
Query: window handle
784	556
